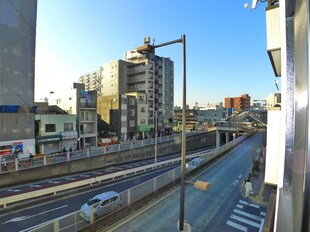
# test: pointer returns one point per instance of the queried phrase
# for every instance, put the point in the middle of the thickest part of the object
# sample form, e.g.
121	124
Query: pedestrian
70	149
4	165
64	150
248	189
30	158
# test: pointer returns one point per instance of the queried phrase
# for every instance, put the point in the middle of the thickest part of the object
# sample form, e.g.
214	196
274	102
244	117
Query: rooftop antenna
276	83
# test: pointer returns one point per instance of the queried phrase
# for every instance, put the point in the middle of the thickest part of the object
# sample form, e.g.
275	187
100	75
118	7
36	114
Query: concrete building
288	162
92	81
86	111
160	86
17	59
142	115
273	100
210	116
54	130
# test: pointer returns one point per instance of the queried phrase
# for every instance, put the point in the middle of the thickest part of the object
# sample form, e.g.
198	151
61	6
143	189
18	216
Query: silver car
102	204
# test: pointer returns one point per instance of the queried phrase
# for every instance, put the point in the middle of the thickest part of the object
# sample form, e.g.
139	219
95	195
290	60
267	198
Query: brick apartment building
238	103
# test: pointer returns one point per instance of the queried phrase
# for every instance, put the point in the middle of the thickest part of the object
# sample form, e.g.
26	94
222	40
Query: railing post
56	226
68	156
87	152
129	197
44	160
91	215
16	164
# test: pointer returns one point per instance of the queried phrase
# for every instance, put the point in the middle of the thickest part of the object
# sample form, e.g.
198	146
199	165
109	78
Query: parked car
102	204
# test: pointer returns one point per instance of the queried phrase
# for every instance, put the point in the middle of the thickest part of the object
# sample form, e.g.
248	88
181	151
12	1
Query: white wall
273	146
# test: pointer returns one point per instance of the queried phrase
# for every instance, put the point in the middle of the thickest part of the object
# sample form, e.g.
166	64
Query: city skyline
226	45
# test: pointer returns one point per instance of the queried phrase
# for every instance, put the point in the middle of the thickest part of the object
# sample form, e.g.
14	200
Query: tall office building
17	59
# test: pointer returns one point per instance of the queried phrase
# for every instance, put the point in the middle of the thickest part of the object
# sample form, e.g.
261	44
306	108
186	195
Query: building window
50	127
131	112
132	123
142	109
142	121
141	98
131	101
68	127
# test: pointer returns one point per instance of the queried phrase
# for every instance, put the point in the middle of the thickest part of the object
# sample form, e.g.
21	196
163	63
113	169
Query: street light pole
112	100
147	48
156	132
183	157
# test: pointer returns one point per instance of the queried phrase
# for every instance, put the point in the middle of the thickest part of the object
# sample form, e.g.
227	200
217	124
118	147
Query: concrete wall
51	171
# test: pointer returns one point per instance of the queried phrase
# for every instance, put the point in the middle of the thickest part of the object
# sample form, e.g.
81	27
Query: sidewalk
261	191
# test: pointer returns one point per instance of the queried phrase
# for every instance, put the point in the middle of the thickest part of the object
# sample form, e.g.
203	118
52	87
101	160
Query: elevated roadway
221	208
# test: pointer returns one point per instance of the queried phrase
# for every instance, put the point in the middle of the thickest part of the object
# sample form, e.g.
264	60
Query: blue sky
226	44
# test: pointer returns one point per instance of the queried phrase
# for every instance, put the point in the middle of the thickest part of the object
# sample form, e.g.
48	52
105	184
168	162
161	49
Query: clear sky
226	44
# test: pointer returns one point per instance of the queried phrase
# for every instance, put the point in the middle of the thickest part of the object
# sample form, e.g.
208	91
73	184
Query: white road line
249	204
239	206
237	226
13	190
22	218
246	221
263	213
248	215
35	186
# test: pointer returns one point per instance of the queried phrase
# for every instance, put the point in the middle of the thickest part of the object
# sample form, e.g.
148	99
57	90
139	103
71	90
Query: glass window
50	127
68	127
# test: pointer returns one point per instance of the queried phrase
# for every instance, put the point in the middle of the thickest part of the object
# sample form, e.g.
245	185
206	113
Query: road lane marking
14	190
239	206
22	218
237	226
246	221
262	213
35	186
248	215
249	204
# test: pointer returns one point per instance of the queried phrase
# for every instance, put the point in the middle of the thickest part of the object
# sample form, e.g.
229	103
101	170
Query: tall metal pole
183	158
155	136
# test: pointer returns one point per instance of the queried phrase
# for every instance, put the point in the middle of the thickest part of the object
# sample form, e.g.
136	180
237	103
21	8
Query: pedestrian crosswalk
246	216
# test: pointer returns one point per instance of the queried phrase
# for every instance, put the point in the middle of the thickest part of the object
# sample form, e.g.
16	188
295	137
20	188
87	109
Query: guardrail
10	164
73	221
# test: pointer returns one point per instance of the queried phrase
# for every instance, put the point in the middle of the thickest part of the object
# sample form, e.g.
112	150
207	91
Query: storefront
69	139
48	144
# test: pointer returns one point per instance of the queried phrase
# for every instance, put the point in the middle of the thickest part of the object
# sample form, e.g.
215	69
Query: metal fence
10	163
74	222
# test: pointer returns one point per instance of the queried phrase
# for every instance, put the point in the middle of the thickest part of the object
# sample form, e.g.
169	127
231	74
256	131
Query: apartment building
238	103
151	75
92	81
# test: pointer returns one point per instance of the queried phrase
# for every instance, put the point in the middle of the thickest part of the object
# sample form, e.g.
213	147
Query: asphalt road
220	208
27	218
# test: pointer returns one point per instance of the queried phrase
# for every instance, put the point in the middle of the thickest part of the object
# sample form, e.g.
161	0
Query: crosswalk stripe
248	215
239	206
263	213
246	221
237	226
249	204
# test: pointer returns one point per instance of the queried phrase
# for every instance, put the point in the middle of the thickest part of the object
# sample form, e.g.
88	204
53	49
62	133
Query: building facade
238	103
17	59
